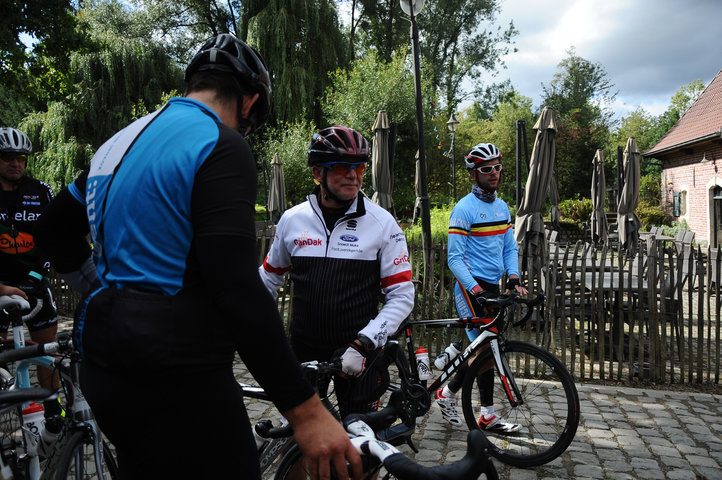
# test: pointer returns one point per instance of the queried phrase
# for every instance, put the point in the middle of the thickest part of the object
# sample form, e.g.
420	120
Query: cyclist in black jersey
22	201
169	202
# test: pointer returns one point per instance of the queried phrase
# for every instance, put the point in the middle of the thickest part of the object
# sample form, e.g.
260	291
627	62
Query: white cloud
649	48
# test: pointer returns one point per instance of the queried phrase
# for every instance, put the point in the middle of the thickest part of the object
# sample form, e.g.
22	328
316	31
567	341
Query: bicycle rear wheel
77	460
548	411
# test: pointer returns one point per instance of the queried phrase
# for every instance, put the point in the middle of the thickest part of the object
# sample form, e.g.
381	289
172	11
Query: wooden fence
653	316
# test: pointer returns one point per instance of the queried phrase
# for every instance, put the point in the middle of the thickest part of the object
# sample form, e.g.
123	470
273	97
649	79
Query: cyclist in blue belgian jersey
481	249
340	251
169	202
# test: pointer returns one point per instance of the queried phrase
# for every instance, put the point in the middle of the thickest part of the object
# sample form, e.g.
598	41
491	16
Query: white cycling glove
353	360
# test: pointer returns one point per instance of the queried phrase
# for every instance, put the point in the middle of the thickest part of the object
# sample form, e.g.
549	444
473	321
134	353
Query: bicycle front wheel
548	407
77	460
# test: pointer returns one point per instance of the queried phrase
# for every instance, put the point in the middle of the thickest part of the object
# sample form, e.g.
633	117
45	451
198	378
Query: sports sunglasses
490	168
342	168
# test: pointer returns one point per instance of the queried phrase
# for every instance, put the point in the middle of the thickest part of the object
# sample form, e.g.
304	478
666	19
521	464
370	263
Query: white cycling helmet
14	141
481	153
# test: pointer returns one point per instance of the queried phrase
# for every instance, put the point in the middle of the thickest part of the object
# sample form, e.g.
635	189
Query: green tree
499	129
457	47
110	80
579	93
355	98
181	26
290	142
382	28
34	40
452	43
301	42
679	103
503	135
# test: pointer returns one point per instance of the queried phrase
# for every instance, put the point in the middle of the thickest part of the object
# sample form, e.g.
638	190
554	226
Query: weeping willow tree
108	85
301	42
59	156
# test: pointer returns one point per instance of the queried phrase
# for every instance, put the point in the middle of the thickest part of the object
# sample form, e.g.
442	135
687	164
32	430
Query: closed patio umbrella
599	226
381	163
529	228
555	213
628	225
277	192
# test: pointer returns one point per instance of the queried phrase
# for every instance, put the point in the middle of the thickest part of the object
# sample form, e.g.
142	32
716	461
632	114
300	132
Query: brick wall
696	174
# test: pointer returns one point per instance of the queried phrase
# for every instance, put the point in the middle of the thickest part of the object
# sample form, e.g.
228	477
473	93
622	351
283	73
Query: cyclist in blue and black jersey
169	202
340	251
481	250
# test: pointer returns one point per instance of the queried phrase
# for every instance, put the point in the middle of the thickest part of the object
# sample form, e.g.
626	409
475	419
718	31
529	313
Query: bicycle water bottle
33	426
448	355
422	362
53	425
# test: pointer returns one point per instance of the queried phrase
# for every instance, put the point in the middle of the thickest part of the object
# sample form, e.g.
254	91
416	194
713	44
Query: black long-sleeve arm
223	211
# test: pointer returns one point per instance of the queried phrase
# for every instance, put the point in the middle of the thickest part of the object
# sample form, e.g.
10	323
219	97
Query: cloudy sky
649	48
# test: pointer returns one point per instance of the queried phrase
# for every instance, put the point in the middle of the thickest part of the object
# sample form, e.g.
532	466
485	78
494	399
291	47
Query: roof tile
703	118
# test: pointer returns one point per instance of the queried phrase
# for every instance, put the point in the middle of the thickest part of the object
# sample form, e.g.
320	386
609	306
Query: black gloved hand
482	296
512	283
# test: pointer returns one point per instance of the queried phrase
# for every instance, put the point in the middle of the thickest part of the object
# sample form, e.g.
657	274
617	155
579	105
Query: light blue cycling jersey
131	230
481	241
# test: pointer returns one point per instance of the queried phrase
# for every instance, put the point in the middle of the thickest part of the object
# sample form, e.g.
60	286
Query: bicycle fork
83	415
511	389
507	379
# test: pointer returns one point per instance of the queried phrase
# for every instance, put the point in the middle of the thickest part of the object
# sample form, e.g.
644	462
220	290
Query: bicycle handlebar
16	303
29	352
474	463
513	297
503	301
372	433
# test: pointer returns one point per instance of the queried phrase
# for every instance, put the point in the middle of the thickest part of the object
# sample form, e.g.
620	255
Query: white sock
487	411
446	392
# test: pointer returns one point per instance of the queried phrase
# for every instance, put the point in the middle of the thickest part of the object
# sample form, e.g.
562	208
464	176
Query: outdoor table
658	238
612	286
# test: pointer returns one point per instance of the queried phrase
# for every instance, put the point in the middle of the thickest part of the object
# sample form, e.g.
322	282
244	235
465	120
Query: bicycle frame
489	334
79	407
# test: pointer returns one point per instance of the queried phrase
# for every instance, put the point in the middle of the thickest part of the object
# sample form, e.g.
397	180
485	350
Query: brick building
691	156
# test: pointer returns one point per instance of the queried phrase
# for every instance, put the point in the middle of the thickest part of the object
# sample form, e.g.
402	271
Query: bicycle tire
77	460
549	414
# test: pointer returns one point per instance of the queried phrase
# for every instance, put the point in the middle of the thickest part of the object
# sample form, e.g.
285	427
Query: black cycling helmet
14	141
483	152
336	143
226	53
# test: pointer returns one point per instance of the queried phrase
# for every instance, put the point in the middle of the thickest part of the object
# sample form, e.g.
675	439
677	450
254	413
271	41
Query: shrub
650	189
677	227
651	215
579	210
439	223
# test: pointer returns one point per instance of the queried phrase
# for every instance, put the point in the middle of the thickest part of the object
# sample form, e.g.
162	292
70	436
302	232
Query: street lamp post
413	8
452	124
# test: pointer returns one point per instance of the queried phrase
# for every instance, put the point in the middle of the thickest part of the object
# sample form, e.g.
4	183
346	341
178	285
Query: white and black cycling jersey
338	274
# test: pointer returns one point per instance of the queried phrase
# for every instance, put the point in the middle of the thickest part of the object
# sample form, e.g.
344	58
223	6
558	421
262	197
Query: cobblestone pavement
624	433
